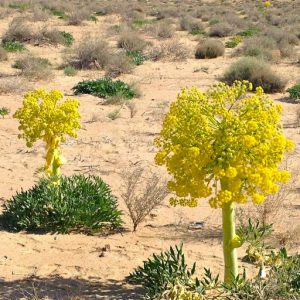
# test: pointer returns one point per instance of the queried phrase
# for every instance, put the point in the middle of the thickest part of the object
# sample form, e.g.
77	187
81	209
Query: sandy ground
62	266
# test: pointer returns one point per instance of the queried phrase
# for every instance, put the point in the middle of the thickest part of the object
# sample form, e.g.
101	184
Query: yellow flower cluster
44	116
225	144
267	4
178	292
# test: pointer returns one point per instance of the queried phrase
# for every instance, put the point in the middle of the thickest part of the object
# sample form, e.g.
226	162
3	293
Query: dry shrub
190	24
221	30
77	16
34	68
210	48
9	85
49	36
119	63
88	54
39	14
165	30
256	71
173	50
3	54
18	30
130	41
142	195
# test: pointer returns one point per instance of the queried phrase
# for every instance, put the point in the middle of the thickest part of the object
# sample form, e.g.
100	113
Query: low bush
233	42
163	270
119	64
257	72
248	32
13	46
34	68
68	38
165	30
77	203
221	30
294	91
130	41
70	71
137	57
4	111
76	17
191	25
3	54
209	49
88	54
13	84
105	88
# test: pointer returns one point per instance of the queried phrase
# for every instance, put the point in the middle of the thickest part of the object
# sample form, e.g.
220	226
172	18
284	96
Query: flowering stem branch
230	253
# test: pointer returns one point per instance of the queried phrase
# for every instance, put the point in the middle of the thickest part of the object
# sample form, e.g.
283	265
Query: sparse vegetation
294	91
209	49
70	71
130	41
3	54
4	111
13	46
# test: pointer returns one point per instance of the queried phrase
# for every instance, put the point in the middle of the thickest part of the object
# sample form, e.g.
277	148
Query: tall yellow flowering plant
224	145
44	115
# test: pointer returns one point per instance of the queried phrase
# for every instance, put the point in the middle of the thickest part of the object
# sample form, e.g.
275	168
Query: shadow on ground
58	288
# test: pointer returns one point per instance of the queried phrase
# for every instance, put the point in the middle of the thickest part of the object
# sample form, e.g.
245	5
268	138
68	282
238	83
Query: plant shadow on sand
58	288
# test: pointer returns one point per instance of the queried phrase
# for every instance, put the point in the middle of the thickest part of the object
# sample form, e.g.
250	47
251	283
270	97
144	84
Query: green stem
230	253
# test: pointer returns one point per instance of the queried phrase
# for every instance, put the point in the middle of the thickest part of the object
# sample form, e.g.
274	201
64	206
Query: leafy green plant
56	12
13	46
233	42
248	32
70	71
77	203
4	111
68	38
114	114
164	269
137	57
105	88
294	91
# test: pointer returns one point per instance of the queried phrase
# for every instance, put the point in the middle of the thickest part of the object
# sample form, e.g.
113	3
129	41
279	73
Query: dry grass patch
221	30
119	63
209	48
130	41
13	85
3	54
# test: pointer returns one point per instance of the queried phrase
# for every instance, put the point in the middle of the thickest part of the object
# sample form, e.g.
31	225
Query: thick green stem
230	253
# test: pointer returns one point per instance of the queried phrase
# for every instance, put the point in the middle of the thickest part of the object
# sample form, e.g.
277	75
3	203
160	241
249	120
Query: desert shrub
248	32
172	50
53	37
165	30
57	12
260	47
105	88
233	42
34	68
137	57
210	49
77	203
221	30
13	46
160	271
39	14
119	64
294	91
10	85
113	115
4	111
68	38
77	16
18	30
257	72
89	53
130	41
21	6
70	71
3	54
142	198
191	25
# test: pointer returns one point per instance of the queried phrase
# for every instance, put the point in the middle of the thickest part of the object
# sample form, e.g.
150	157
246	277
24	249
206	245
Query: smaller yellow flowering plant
225	145
44	115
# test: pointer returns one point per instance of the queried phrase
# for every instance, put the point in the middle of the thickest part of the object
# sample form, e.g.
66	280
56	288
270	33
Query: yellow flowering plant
44	115
225	145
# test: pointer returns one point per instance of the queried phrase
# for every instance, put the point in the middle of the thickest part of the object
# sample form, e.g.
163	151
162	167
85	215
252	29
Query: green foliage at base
248	32
68	38
233	42
105	88
70	71
137	57
13	46
294	91
77	203
161	270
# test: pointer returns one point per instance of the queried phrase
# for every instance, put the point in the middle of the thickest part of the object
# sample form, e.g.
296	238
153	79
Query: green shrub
4	111
70	71
137	57
209	49
248	32
105	88
257	72
294	91
68	38
13	46
167	268
77	203
233	42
